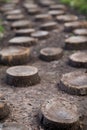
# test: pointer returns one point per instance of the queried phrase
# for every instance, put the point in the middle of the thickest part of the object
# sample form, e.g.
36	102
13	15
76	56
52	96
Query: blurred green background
81	5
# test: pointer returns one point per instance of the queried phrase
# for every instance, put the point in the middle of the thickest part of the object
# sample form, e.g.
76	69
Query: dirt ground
25	102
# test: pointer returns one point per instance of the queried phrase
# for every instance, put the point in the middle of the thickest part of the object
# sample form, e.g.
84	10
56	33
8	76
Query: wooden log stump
46	3
21	24
22	76
14	12
66	18
34	11
76	43
59	114
49	26
14	55
24	32
4	110
82	32
15	126
30	6
15	17
43	17
58	7
55	13
41	35
78	59
74	83
23	41
51	53
7	7
70	26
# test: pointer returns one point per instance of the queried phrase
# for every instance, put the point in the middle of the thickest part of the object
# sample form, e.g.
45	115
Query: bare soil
24	101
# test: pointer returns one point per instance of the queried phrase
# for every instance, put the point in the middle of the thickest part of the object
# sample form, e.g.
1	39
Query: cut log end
40	35
74	83
76	43
14	55
50	54
78	59
23	41
22	76
59	114
66	18
49	26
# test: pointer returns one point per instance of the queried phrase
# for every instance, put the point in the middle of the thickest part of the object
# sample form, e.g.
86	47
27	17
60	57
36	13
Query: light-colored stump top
50	51
25	31
82	31
57	7
20	71
34	11
49	25
60	111
15	17
76	39
7	7
67	18
19	40
14	12
56	12
79	56
40	34
30	6
14	126
76	24
75	79
43	17
47	2
21	23
13	51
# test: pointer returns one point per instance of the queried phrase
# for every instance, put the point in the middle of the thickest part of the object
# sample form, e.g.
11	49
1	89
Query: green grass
4	1
81	5
1	29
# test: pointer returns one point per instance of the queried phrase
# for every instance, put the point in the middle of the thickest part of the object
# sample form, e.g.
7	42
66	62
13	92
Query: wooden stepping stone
57	7
4	110
40	34
16	17
21	24
13	12
30	6
22	76
24	32
70	26
23	41
51	54
76	43
7	7
74	83
49	26
15	126
59	114
34	11
14	55
66	18
43	17
82	31
56	12
78	59
46	3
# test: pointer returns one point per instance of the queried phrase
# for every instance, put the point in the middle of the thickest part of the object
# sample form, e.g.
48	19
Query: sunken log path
43	66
